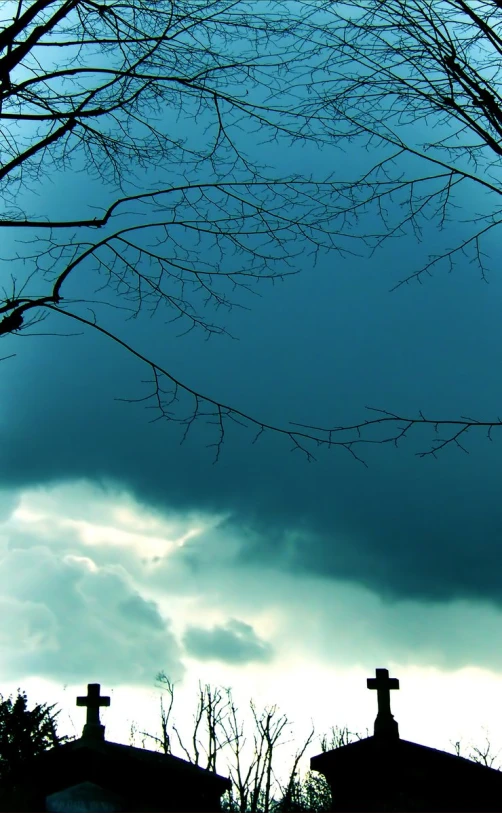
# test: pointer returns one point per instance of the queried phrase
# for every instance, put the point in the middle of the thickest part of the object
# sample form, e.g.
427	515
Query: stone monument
387	773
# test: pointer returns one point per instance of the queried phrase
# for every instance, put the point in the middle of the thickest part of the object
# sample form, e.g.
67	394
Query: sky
123	553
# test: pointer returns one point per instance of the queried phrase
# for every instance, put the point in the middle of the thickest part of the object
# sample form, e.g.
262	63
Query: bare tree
255	785
116	90
483	755
164	741
395	67
209	709
312	792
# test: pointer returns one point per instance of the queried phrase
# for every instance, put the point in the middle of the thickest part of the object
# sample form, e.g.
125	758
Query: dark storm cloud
326	345
235	642
316	348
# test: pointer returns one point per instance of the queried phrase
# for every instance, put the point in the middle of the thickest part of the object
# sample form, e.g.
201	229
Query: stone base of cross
386	726
91	731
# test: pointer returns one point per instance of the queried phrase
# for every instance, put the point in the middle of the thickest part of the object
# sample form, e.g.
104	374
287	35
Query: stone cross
93	701
385	725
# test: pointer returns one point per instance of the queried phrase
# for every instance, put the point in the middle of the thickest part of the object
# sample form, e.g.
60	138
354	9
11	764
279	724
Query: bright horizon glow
434	707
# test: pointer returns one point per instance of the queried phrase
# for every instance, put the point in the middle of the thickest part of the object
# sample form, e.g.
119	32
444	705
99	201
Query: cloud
82	602
65	617
141	613
235	643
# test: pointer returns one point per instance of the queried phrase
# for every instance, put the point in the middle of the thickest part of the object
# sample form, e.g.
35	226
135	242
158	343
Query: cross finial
385	725
93	701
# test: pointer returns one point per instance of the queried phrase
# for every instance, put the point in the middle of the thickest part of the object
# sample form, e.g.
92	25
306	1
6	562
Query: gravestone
387	773
93	774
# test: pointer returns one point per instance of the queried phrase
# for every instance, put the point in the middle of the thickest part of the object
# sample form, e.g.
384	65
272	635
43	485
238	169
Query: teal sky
123	552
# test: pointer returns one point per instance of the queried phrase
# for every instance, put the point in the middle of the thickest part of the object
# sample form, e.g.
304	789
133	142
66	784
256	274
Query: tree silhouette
399	70
118	92
484	755
256	788
24	734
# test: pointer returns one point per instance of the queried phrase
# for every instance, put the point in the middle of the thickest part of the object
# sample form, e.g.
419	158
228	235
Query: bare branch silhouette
115	91
397	70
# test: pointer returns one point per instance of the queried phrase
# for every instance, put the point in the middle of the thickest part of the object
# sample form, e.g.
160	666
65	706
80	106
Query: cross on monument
384	723
93	700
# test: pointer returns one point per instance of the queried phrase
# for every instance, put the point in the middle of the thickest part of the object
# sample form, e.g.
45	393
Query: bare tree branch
483	755
102	83
127	88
